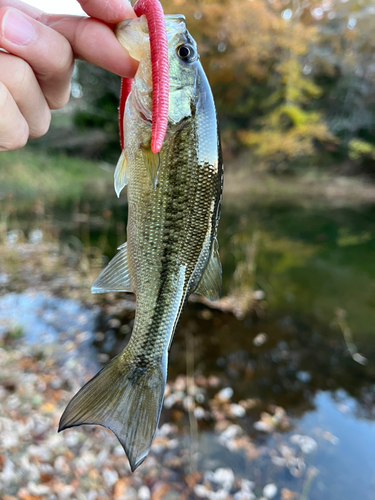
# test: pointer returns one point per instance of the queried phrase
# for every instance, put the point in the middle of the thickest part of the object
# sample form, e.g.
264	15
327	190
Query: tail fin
125	398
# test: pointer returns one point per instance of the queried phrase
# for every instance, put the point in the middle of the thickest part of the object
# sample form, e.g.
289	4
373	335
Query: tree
293	81
253	56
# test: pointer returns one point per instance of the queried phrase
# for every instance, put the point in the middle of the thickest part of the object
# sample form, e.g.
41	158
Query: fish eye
186	53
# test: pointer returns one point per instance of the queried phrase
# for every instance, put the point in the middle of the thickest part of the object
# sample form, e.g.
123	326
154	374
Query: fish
174	200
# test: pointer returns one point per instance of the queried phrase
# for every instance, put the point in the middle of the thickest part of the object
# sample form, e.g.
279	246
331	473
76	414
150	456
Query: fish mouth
144	118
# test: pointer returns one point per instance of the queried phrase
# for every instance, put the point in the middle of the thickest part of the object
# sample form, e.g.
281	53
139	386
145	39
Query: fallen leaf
159	491
56	395
120	487
93	474
68	455
177	415
192	479
288	494
47	408
45	477
23	494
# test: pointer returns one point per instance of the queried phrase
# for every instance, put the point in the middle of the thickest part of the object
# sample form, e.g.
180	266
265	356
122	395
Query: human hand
36	70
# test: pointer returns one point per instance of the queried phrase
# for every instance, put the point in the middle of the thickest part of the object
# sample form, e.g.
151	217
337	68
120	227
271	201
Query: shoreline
28	175
245	186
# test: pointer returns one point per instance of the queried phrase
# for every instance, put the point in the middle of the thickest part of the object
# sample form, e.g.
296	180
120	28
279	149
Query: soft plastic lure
154	13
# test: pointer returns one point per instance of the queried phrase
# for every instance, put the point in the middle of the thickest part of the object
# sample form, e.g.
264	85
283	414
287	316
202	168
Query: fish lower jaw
140	101
144	118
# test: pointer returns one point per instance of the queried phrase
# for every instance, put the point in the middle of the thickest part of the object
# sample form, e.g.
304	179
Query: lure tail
127	399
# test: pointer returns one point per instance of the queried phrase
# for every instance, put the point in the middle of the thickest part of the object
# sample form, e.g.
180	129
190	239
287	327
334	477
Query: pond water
307	346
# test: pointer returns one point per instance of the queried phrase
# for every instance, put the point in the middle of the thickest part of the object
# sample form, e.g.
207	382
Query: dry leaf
23	494
288	494
159	491
47	408
192	479
45	477
120	487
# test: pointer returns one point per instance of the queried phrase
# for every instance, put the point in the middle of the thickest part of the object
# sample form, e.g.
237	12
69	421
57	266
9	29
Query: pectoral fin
115	277
121	173
210	283
152	164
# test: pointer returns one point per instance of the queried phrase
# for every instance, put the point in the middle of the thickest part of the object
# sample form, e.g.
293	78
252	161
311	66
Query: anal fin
210	283
115	277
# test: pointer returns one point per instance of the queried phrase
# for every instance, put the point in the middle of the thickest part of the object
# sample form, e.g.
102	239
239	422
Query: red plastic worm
153	11
126	86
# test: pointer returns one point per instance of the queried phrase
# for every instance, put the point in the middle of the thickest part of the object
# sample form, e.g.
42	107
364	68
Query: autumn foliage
294	82
264	59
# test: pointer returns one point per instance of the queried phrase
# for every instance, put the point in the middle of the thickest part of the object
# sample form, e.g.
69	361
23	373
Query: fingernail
16	29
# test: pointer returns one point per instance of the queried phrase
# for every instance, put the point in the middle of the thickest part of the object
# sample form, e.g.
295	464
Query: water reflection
298	359
291	345
311	260
346	470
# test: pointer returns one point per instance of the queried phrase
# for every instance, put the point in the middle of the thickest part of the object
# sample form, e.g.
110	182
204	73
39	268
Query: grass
30	175
245	184
27	175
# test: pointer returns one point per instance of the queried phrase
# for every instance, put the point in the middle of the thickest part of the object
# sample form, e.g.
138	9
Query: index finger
109	11
92	40
113	11
95	42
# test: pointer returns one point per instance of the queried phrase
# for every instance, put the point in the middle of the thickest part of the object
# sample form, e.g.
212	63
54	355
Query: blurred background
271	390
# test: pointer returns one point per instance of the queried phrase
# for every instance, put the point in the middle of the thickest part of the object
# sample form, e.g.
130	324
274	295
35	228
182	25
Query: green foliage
27	175
359	149
288	132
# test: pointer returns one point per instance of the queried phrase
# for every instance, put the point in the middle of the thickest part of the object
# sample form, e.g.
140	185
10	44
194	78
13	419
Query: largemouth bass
171	251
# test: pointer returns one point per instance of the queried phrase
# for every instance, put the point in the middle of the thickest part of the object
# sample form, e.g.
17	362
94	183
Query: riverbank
27	174
244	183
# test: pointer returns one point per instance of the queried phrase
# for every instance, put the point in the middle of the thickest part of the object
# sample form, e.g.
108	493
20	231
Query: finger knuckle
16	140
21	138
4	96
22	74
62	65
60	100
43	125
14	133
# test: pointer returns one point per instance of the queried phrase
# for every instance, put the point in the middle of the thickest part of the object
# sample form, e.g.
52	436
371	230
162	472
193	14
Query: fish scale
171	250
183	226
